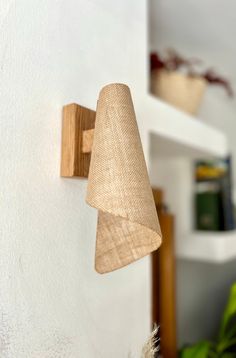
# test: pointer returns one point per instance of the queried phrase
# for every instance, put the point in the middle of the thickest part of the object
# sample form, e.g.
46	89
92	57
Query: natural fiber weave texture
118	184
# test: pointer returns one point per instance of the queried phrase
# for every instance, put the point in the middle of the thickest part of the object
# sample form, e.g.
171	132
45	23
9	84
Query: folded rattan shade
118	184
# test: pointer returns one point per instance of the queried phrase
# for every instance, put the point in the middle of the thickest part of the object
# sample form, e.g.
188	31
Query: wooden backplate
76	119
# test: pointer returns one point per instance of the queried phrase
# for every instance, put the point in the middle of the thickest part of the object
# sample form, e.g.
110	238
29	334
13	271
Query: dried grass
151	348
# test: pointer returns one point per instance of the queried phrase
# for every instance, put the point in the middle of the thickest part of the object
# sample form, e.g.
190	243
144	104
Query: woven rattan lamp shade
118	184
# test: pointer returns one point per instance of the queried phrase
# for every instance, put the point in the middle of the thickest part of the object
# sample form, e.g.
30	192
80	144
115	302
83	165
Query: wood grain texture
76	119
87	141
163	284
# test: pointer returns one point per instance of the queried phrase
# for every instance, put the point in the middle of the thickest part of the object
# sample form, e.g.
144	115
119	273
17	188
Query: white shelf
214	247
175	133
172	133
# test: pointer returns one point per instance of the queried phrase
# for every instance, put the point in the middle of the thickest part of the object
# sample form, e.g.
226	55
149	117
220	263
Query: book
213	199
208	208
226	197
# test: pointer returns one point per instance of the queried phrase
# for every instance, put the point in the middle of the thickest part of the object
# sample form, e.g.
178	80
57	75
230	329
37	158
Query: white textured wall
52	302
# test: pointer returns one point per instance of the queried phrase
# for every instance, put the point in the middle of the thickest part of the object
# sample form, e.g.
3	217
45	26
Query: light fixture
106	147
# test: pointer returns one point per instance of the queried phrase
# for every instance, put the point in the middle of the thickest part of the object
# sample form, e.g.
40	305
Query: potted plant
225	344
177	81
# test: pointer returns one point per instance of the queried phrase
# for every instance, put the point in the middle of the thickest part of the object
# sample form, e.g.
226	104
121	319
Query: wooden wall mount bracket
77	138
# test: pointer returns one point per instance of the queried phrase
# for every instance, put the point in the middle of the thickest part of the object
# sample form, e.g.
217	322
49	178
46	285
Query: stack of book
213	198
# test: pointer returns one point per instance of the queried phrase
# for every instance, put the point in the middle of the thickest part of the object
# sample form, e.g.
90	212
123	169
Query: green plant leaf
226	344
229	312
228	355
199	350
230	333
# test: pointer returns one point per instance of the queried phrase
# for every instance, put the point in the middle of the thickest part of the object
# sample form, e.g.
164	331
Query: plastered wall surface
52	302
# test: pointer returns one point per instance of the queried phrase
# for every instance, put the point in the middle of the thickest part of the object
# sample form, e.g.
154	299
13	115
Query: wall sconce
105	147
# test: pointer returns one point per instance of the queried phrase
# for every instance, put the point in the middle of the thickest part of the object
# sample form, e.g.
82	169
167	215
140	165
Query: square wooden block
74	161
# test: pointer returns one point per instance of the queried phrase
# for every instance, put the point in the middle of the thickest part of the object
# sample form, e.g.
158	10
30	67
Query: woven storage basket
182	91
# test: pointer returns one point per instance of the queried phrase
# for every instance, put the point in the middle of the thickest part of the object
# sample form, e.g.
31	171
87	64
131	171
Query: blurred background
192	68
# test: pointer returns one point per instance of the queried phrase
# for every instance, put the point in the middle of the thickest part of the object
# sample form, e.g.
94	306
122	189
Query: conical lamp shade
118	184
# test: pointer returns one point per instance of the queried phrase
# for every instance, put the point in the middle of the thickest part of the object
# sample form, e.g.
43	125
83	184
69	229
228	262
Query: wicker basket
182	91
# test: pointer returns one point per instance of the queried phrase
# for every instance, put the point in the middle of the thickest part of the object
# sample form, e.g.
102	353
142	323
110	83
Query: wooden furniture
163	282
